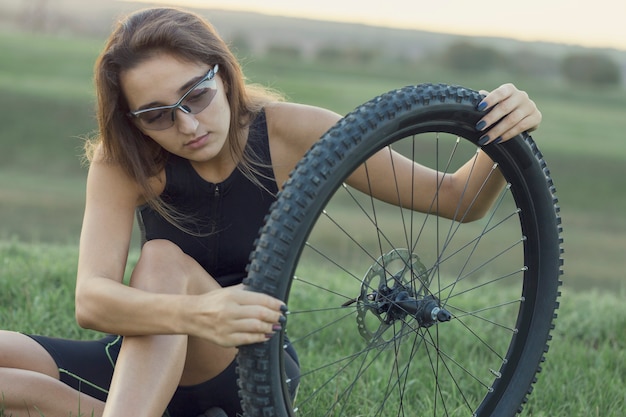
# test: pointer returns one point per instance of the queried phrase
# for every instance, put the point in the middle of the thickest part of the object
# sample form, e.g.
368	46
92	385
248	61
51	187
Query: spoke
319	329
400	375
324	289
480	236
441	358
331	260
361	369
475	241
371	198
476	269
349	236
480	339
475	314
398	194
358	244
500	278
381	236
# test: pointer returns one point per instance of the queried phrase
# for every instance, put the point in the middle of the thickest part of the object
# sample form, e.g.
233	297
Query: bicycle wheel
400	313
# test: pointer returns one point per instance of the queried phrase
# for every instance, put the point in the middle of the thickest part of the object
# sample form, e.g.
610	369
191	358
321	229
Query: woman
200	174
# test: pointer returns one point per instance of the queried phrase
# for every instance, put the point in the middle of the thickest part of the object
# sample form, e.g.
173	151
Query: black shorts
87	366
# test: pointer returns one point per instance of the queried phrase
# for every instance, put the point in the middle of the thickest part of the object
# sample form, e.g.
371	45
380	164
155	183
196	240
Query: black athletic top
225	218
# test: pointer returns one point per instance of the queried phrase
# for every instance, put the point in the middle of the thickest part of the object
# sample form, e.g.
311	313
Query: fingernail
277	328
498	140
481	125
482	105
269	335
284	308
282	319
483	140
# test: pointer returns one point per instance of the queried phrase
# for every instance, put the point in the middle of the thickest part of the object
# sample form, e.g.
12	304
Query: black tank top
224	218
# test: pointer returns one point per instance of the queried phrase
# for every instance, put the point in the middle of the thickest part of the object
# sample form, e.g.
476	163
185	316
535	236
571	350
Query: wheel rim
358	359
394	360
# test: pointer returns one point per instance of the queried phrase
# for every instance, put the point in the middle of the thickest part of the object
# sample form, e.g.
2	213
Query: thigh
87	366
19	351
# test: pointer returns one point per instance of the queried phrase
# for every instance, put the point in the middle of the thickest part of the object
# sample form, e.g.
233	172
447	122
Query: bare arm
468	193
226	316
464	195
103	303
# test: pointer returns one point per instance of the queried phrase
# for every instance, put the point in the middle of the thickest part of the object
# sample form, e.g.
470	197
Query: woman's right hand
234	316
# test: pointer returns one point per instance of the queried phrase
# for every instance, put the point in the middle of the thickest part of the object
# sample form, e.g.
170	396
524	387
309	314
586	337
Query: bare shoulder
299	120
107	179
293	129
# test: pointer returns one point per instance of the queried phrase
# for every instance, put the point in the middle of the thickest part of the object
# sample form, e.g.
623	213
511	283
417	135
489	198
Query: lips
197	142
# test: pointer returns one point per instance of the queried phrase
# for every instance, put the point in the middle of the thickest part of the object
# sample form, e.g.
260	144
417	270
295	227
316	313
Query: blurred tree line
591	68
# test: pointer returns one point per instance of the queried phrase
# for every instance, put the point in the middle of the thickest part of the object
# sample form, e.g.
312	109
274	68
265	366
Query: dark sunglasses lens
200	98
195	101
157	119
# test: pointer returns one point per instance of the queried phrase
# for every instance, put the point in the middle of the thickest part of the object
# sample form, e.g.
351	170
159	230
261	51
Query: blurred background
570	58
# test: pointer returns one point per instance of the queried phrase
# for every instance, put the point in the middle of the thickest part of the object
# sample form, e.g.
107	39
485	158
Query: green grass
583	374
48	66
37	284
369	374
47	82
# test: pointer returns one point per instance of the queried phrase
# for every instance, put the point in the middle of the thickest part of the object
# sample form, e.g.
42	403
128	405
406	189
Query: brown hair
188	37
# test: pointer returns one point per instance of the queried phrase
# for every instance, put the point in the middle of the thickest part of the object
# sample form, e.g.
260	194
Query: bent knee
158	248
164	268
156	269
162	254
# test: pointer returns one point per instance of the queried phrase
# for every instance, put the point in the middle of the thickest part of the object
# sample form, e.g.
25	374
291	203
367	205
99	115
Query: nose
185	121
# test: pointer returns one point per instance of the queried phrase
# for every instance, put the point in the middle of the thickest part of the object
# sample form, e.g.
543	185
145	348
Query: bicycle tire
516	309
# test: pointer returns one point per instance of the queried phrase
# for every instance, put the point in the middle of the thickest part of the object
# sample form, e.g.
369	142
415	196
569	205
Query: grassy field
583	375
45	85
51	112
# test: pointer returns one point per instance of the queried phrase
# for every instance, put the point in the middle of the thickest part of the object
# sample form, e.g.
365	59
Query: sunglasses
196	99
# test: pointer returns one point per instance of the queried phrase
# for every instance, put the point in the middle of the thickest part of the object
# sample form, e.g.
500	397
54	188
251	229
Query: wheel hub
393	294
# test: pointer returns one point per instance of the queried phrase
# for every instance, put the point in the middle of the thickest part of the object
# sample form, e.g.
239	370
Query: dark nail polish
483	140
284	308
482	105
282	319
481	125
498	140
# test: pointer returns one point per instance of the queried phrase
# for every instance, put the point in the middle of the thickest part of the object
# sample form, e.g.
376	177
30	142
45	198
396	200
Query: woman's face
163	80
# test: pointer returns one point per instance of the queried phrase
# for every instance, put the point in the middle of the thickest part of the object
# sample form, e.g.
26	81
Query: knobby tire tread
453	109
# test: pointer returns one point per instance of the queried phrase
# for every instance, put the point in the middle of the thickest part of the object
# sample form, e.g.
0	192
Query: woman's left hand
512	112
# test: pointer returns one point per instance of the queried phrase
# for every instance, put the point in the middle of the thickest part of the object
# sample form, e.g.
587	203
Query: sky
595	23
